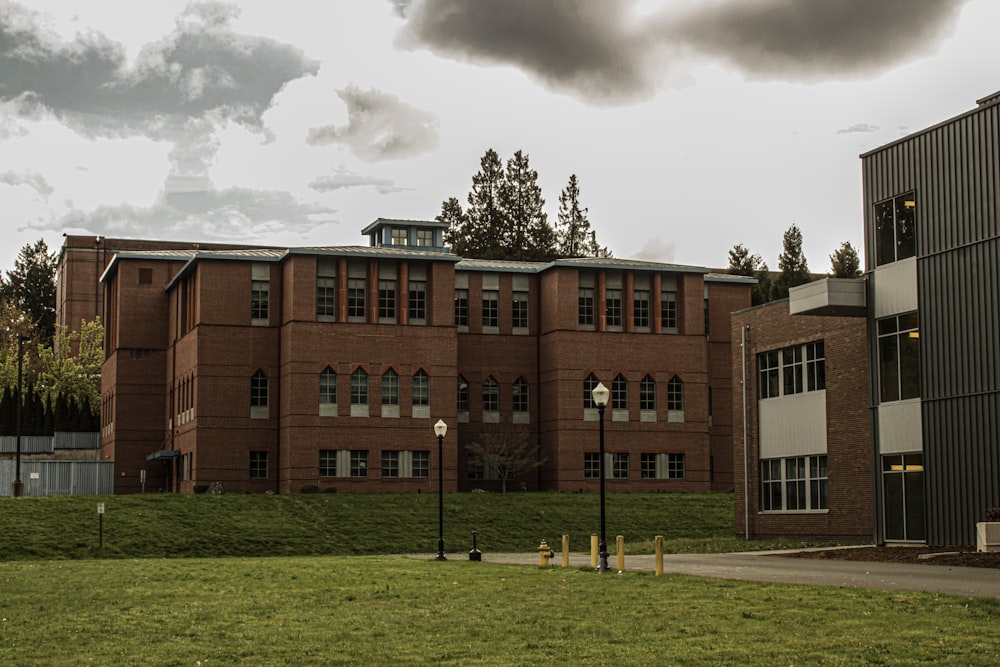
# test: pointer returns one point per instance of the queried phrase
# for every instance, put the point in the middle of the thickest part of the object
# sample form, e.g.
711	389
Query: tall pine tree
742	263
531	237
31	287
791	263
574	236
844	262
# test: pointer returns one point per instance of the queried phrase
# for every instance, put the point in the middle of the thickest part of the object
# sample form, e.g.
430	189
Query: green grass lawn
173	525
383	610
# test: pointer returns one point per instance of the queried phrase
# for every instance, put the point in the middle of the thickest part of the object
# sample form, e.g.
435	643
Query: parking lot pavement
773	567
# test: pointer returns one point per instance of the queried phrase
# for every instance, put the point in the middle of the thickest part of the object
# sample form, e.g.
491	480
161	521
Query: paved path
770	567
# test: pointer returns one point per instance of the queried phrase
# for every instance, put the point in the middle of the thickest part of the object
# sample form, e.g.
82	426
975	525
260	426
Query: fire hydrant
545	553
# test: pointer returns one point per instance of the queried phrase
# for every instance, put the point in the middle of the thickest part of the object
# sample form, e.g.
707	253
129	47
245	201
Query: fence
60	478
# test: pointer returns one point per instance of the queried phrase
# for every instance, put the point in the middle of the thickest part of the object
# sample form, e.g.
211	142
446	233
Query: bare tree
505	453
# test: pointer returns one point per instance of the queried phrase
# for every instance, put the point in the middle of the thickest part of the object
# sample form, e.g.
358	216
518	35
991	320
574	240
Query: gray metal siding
60	478
954	168
30	444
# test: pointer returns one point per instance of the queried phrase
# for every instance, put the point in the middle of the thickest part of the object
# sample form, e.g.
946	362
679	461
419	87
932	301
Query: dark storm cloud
233	214
379	127
612	51
200	67
342	179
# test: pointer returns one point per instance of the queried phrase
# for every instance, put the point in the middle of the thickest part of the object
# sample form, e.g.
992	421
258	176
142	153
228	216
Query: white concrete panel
895	288
793	425
899	428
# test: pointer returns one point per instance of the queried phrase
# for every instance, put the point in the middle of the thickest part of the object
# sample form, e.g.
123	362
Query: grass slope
172	525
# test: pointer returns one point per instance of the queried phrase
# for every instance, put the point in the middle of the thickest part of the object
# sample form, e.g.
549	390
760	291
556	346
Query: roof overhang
832	297
163	455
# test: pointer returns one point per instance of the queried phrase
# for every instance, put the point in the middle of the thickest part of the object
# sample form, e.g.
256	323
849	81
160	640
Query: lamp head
600	394
440	429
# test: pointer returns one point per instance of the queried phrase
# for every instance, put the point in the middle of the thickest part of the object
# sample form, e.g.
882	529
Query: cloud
343	179
611	52
202	66
32	179
858	127
656	250
379	127
234	213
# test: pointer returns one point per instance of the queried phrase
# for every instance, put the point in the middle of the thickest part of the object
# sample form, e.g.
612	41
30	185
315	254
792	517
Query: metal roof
381	222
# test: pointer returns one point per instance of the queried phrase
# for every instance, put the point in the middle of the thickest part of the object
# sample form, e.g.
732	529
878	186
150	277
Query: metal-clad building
932	239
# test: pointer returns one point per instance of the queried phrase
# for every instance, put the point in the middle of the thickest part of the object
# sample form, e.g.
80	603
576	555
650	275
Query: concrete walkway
770	567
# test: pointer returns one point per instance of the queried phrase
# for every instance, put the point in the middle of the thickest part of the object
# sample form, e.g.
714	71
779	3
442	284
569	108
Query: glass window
591	465
463	394
588	387
387	299
895	229
359	387
899	357
390	464
425	238
791	363
400	236
770	384
359	463
619	393
792	370
619	466
260	292
585	306
519	313
421	464
647	466
675	394
327	387
640	308
675	466
356	288
795	483
462	307
258	389
326	297
491	395
520	391
390	387
490	308
258	465
327	463
613	307
421	388
647	393
418	300
815	367
668	309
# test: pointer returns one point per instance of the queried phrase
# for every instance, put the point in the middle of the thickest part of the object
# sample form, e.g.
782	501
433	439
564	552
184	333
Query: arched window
588	388
619	393
359	387
675	399
390	387
491	395
328	387
421	388
258	390
647	393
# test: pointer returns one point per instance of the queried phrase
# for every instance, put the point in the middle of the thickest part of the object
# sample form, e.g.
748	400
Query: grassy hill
169	525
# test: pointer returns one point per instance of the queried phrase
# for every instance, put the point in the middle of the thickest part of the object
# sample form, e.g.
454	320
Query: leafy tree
791	263
574	237
531	237
76	377
31	287
507	454
844	262
742	263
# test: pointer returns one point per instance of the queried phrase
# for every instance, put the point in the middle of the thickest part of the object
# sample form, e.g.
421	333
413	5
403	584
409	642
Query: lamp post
600	394
440	428
17	486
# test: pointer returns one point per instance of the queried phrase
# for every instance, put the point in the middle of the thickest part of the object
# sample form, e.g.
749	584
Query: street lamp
439	430
17	486
600	394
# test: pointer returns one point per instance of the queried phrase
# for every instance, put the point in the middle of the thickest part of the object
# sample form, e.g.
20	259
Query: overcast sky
691	125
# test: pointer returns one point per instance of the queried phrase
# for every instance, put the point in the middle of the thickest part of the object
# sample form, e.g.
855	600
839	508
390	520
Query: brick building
801	432
272	369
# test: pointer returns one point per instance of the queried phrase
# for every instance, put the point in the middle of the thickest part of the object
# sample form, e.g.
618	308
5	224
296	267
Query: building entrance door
903	498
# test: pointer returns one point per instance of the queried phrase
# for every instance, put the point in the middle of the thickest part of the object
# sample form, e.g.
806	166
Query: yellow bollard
593	551
565	561
620	542
659	555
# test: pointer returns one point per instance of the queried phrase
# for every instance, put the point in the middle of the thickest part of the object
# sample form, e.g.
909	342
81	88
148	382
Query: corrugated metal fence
55	478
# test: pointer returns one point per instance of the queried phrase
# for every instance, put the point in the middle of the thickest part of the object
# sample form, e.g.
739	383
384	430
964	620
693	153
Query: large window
613	307
619	465
585	306
675	395
668	310
328	387
619	393
421	390
491	395
662	466
258	390
326	297
794	484
356	288
390	387
588	388
519	312
520	395
640	308
396	464
425	238
899	357
491	316
327	463
260	293
792	370
359	463
359	387
400	236
647	393
461	307
258	465
895	229
591	465
463	394
387	300
418	301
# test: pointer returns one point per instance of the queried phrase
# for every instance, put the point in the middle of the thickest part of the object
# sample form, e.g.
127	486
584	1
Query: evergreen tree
452	213
574	236
31	287
791	263
742	263
530	236
484	229
844	262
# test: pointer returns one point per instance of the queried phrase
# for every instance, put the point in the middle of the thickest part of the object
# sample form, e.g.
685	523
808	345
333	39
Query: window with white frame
613	307
400	236
675	394
491	310
260	294
425	238
589	384
327	463
519	311
899	357
359	463
640	308
895	229
647	393
421	390
418	301
792	370
405	464
794	484
491	395
619	393
356	291
328	392
463	394
591	465
585	306
461	307
259	395
619	465
668	310
387	300
520	395
326	297
390	388
359	389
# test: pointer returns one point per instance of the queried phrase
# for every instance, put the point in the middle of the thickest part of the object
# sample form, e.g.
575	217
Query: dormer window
425	238
400	236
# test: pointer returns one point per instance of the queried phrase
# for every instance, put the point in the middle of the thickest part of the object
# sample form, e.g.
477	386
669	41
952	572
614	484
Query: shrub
310	488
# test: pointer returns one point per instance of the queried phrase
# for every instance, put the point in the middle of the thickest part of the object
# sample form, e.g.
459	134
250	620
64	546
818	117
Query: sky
691	125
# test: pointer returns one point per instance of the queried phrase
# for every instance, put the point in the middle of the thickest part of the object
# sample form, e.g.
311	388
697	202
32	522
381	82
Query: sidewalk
771	567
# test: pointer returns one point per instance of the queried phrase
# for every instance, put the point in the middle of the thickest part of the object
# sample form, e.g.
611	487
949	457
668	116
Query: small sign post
100	517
